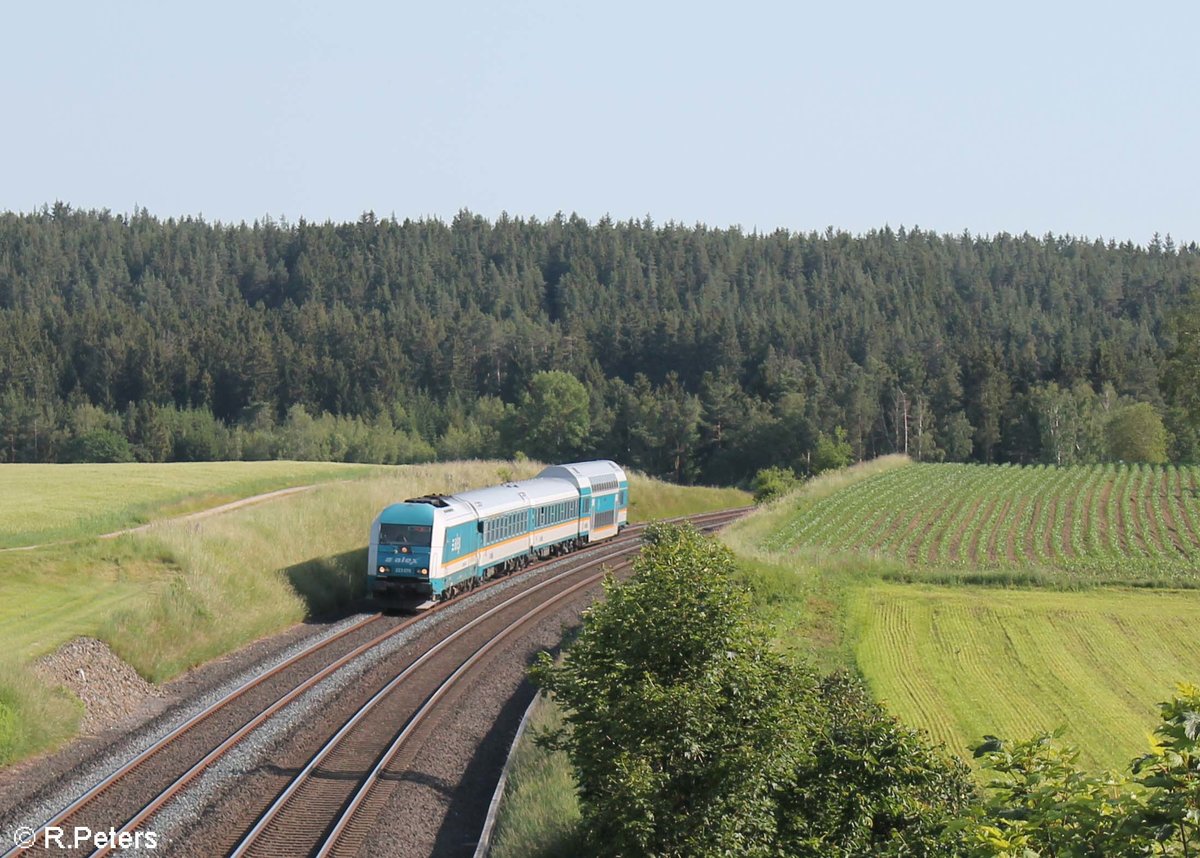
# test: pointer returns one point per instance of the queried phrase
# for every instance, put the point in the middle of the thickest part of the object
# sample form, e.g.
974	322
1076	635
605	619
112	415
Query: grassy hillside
48	503
827	564
651	499
164	598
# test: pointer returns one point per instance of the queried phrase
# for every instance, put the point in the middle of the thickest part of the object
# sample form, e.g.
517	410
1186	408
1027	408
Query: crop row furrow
1113	513
965	527
903	505
930	527
1179	497
1138	530
871	507
1053	500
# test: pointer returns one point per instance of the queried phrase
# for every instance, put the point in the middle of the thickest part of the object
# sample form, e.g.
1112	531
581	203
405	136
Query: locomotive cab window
405	534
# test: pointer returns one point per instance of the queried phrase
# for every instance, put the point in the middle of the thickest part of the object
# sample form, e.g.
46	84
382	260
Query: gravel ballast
34	790
110	689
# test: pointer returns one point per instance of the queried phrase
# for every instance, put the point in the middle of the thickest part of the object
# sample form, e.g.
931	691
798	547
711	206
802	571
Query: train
431	548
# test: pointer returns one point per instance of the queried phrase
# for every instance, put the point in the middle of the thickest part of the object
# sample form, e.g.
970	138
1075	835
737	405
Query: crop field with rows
1116	522
871	549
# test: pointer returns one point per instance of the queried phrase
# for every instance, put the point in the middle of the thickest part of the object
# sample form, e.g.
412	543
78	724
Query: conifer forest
694	353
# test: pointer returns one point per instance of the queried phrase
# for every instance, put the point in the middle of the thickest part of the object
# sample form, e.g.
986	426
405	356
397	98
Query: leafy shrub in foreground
870	785
1041	804
681	718
689	736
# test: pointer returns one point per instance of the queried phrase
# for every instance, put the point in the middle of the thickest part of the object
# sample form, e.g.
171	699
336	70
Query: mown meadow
41	504
183	591
964	662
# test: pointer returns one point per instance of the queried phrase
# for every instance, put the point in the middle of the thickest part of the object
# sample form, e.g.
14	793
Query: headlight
424	571
382	570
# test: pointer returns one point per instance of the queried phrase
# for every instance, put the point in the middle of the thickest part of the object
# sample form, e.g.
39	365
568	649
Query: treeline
703	353
689	735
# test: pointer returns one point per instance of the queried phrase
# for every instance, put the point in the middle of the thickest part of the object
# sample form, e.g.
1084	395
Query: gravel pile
35	806
110	689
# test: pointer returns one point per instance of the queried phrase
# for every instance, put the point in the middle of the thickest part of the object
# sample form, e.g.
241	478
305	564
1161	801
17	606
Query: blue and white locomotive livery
437	546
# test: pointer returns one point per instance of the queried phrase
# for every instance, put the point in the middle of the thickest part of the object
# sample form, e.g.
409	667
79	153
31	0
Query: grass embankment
183	592
278	562
801	595
52	503
651	499
540	809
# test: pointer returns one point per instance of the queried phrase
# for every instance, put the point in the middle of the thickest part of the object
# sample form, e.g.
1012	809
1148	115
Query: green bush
98	446
1136	434
682	721
1041	803
772	482
871	786
689	736
832	453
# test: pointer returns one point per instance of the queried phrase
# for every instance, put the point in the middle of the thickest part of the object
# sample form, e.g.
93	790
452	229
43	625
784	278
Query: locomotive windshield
405	534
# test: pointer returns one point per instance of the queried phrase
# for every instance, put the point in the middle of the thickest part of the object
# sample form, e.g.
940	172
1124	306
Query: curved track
316	811
147	782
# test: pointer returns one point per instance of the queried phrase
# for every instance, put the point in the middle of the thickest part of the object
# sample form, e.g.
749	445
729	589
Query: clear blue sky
1079	118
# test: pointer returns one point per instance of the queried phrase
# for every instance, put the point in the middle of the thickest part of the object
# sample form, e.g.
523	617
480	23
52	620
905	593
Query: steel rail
221	704
419	717
335	741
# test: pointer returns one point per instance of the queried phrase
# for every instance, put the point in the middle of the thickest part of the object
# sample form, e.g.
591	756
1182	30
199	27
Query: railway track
298	821
138	789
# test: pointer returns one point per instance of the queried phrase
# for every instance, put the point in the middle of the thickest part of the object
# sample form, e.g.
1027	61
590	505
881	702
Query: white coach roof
587	474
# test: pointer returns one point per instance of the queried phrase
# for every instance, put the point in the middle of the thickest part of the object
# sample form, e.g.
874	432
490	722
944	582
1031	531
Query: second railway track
317	812
132	794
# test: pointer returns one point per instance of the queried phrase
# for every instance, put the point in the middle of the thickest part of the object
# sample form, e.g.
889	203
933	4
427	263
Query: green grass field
962	662
50	503
540	809
183	591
